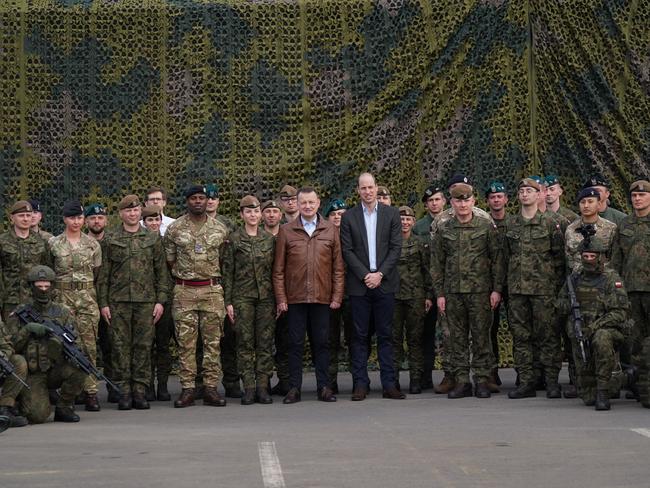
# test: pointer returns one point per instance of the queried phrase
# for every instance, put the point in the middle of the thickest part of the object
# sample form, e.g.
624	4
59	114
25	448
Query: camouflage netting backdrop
104	97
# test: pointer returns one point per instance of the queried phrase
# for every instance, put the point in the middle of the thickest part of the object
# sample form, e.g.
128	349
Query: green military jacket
413	269
466	258
134	268
227	222
17	257
613	215
248	266
568	214
558	218
423	226
534	255
631	252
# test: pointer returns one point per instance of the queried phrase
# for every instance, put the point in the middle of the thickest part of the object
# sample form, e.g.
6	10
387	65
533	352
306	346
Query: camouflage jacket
227	222
423	226
613	215
195	252
75	264
631	252
572	239
558	218
568	214
466	258
134	268
448	214
248	266
413	269
17	257
534	255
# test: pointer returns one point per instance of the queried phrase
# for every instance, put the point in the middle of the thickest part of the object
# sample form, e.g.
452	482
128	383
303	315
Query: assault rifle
7	369
577	320
27	314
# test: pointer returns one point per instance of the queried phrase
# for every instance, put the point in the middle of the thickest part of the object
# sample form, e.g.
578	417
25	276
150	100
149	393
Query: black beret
72	208
459	178
194	189
36	205
596	180
587	192
432	190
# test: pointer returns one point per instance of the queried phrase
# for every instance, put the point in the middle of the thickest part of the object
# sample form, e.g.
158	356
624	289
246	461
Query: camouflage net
104	97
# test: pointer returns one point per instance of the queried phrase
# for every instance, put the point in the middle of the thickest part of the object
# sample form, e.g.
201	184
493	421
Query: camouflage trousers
469	315
83	304
340	321
255	332
198	309
282	348
11	387
131	331
596	374
442	343
535	334
161	356
408	320
640	340
35	403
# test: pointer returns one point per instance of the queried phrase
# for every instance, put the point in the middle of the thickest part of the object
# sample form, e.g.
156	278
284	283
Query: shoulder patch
618	284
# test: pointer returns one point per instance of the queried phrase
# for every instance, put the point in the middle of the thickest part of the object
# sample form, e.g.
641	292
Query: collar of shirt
309	225
369	211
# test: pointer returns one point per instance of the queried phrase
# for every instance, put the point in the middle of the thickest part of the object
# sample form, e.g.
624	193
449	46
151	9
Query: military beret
462	191
587	192
249	201
640	186
552	180
334	206
432	190
288	191
72	208
596	180
383	191
495	186
20	206
458	178
94	209
212	191
36	205
528	182
405	211
151	211
540	181
194	189
270	204
129	201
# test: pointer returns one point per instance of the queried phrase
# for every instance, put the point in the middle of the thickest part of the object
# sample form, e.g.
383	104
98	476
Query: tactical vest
590	293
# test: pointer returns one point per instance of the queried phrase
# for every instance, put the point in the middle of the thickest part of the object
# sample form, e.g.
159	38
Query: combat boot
4	423
446	385
212	397
124	402
233	391
65	414
248	398
162	395
461	390
602	400
92	403
281	388
570	391
483	390
113	396
523	391
553	390
15	420
140	401
414	387
186	398
149	394
263	396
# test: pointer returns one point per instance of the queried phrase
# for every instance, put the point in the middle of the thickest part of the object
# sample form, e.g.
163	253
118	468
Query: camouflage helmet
41	273
594	244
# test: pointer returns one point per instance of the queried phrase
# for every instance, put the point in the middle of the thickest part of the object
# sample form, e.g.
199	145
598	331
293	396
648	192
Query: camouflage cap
194	189
129	201
249	201
383	191
462	191
151	211
458	178
334	206
94	209
596	180
406	211
72	208
288	191
640	186
20	206
495	186
36	205
552	180
594	244
530	183
432	190
212	191
586	193
270	204
41	273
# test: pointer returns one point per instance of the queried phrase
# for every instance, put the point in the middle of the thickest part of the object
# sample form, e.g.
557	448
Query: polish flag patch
618	284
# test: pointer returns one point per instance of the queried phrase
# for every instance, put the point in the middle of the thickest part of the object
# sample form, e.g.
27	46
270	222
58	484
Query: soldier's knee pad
39	413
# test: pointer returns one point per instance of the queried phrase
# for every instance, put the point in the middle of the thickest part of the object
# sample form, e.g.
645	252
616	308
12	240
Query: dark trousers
382	306
314	317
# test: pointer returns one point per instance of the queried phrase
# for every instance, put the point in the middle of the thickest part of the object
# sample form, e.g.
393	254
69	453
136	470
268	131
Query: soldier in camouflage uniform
553	194
20	250
467	272
11	387
37	217
133	286
534	255
603	306
631	258
250	302
542	207
193	247
77	258
599	182
47	367
434	200
413	299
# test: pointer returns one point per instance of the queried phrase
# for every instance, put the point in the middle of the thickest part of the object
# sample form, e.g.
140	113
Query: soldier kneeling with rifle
596	303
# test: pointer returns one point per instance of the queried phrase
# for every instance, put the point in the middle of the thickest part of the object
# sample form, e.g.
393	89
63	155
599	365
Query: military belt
75	285
211	281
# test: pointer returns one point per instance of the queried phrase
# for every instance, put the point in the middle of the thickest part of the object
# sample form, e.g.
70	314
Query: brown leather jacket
308	270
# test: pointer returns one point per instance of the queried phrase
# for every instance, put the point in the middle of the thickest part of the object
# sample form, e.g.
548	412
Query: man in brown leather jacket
308	280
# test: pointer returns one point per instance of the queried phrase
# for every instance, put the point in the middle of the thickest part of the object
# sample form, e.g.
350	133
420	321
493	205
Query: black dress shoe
359	394
124	402
393	393
326	395
65	414
293	396
523	391
461	390
248	398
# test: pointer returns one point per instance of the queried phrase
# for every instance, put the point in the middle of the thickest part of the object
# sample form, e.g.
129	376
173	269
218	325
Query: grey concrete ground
423	441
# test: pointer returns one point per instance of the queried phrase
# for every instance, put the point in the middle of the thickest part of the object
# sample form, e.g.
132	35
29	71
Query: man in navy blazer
371	242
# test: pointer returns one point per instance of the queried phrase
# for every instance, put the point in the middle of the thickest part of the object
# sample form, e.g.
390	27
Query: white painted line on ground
271	469
644	432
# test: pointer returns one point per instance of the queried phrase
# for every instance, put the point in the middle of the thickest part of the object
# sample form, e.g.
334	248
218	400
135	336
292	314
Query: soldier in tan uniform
77	258
193	246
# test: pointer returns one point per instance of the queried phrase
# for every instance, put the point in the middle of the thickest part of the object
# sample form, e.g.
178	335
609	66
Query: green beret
552	180
334	206
212	191
495	186
94	209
